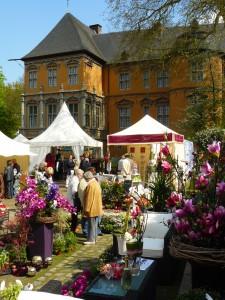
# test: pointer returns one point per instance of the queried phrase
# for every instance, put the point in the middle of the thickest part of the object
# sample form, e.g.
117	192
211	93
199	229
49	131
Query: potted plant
70	241
199	219
59	243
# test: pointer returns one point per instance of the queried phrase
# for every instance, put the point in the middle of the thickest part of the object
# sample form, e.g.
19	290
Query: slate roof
72	36
69	35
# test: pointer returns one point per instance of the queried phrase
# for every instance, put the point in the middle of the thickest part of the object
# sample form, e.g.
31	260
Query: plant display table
143	287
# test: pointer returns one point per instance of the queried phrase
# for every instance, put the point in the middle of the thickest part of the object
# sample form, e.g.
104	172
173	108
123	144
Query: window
51	113
124	117
33	116
196	71
73	75
146	110
88	115
52	77
163	78
33	79
98	116
146	79
124	81
163	114
73	108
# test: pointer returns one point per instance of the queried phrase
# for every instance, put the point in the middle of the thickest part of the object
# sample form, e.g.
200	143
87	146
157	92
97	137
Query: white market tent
13	149
145	131
64	131
145	137
22	139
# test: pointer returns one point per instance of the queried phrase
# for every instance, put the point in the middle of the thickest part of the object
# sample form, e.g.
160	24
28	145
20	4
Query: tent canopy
21	138
64	131
9	147
146	130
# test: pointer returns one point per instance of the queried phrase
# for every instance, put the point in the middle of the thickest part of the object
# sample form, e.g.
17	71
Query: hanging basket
198	255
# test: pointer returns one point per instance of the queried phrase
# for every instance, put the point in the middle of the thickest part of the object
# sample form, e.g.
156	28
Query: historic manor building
76	64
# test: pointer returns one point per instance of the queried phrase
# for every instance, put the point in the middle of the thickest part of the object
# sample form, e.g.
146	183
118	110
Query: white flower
2	285
128	237
19	282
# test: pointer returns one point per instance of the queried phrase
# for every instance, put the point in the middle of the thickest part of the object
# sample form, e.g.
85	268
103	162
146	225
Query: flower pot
41	237
134	249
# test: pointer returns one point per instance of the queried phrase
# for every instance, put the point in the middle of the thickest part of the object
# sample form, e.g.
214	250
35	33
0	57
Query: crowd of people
83	189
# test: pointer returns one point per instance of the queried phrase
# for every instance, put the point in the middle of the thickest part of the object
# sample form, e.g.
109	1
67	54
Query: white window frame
124	81
197	71
124	117
73	75
162	78
163	114
98	114
146	79
88	115
73	108
146	110
52	77
52	113
32	79
33	116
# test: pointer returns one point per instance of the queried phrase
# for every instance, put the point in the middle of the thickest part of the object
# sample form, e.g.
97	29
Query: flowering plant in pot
199	219
39	200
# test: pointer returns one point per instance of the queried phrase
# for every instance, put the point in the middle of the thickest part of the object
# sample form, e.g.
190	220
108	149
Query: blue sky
24	23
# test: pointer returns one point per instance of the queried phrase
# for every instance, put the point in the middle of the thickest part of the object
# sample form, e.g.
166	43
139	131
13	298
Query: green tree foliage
145	14
10	106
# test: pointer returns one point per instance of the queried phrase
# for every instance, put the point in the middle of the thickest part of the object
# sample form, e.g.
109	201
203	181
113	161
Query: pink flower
166	167
206	169
166	150
220	188
202	183
214	148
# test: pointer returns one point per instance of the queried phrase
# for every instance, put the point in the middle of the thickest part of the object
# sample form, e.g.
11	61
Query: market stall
12	149
144	140
64	132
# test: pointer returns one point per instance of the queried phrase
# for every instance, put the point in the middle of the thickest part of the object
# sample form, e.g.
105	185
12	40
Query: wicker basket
200	255
46	220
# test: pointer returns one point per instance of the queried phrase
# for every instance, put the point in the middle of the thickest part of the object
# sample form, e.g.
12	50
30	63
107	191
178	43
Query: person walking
73	197
9	177
69	169
92	207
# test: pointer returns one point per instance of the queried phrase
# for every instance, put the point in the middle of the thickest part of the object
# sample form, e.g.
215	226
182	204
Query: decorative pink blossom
166	150
220	188
206	169
214	148
202	183
166	167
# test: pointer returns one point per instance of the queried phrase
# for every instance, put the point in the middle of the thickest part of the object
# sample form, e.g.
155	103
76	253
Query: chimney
97	28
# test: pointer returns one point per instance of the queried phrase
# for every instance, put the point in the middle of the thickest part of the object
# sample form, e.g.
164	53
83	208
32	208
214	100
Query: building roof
69	35
72	36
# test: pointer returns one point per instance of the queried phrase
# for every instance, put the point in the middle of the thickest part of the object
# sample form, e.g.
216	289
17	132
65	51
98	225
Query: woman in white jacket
72	196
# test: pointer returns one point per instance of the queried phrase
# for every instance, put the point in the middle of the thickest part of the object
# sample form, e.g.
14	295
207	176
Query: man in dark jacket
9	177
